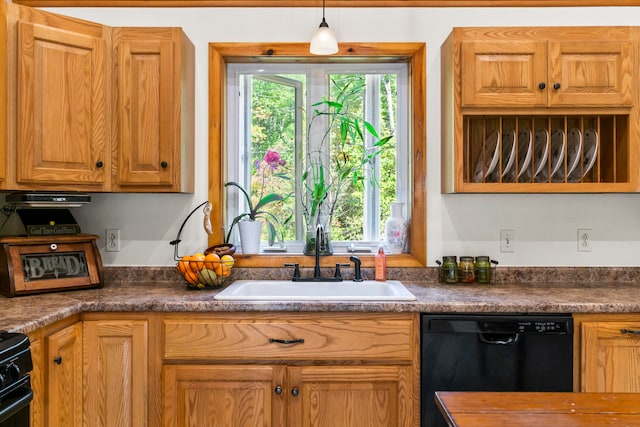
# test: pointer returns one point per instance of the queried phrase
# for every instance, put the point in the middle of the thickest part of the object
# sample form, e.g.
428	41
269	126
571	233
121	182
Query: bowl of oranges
208	271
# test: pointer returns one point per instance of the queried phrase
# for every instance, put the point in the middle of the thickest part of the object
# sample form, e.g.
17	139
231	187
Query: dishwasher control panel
543	327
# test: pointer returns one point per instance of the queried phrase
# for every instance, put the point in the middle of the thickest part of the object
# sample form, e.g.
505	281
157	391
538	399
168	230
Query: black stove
15	381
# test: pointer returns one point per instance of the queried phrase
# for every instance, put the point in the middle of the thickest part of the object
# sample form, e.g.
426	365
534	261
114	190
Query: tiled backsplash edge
428	275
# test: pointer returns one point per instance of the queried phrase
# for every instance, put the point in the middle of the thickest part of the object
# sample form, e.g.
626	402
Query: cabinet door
63	399
115	373
155	110
61	108
229	396
148	109
36	409
503	73
610	357
590	73
4	100
350	396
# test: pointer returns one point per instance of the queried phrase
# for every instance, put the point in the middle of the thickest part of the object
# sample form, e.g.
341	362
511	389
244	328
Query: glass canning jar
466	270
449	269
482	269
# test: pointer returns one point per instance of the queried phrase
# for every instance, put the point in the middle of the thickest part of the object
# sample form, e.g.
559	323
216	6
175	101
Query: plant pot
250	233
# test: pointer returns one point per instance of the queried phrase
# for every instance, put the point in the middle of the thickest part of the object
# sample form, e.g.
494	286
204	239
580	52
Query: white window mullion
371	203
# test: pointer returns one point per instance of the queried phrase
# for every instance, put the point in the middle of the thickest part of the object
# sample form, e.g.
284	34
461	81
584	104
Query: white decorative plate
590	144
487	162
525	151
508	150
574	150
540	153
556	153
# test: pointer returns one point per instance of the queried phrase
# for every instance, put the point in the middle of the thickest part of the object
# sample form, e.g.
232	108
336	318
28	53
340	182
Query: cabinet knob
58	360
295	391
99	164
556	85
164	164
278	389
542	85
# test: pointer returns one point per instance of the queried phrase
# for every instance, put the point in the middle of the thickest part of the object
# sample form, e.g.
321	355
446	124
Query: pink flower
272	159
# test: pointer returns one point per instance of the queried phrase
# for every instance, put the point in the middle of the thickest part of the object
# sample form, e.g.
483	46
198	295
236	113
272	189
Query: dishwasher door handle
498	339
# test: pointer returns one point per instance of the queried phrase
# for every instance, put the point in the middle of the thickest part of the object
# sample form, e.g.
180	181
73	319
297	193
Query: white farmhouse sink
286	290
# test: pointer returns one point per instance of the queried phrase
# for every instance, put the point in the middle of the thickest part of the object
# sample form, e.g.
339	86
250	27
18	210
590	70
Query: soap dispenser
381	264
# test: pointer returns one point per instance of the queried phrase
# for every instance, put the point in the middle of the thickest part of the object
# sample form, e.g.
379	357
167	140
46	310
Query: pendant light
323	41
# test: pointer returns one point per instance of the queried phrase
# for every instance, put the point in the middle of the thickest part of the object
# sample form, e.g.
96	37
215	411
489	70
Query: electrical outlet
584	240
506	241
112	236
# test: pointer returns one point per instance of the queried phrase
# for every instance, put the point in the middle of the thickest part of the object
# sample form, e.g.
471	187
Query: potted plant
326	177
250	222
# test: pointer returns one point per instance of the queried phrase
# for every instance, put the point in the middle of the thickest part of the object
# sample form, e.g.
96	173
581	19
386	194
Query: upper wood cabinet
536	73
540	109
95	108
154	109
62	110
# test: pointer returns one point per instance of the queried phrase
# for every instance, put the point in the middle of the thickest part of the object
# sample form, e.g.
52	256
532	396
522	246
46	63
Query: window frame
316	87
414	54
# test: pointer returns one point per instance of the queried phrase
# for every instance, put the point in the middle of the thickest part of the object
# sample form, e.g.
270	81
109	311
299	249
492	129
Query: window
246	69
270	109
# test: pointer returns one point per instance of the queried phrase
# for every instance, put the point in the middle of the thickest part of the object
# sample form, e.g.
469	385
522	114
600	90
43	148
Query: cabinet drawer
294	337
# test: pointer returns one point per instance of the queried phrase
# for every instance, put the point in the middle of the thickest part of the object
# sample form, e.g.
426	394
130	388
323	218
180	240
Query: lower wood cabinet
283	369
609	353
227	369
116	381
254	395
56	378
230	395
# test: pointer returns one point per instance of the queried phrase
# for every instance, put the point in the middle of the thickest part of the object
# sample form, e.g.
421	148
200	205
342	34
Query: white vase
395	229
250	233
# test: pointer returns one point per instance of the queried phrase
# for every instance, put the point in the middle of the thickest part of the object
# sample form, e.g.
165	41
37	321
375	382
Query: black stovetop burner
15	358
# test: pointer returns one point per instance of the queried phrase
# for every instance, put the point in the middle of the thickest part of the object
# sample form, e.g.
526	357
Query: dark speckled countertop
162	290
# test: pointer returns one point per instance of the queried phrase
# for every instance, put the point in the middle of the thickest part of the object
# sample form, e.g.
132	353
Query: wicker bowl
205	271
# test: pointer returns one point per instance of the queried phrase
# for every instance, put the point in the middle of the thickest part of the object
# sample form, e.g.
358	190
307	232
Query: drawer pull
58	360
298	341
630	331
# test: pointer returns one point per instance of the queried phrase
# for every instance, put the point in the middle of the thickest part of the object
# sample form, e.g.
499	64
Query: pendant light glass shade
323	41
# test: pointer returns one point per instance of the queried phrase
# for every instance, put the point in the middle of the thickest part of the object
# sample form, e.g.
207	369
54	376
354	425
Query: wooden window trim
220	54
330	3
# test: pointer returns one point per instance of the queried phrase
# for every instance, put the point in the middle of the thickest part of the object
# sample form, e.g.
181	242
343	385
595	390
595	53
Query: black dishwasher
493	353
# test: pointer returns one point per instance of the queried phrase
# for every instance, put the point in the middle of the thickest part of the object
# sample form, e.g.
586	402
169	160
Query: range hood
48	199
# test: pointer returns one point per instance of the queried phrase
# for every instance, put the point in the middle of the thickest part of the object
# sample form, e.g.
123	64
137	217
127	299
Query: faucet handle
338	273
356	266
296	270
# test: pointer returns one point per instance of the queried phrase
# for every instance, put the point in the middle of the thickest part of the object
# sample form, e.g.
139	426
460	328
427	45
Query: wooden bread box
38	264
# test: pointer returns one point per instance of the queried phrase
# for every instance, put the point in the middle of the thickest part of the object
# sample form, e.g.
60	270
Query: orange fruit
212	262
191	276
199	262
183	264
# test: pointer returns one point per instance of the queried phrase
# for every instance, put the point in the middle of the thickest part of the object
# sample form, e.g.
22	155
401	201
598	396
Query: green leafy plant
326	177
266	169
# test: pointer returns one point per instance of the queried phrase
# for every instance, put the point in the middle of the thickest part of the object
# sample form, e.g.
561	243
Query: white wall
545	226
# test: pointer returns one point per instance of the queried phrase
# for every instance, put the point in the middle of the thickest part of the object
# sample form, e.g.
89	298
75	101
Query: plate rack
603	156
